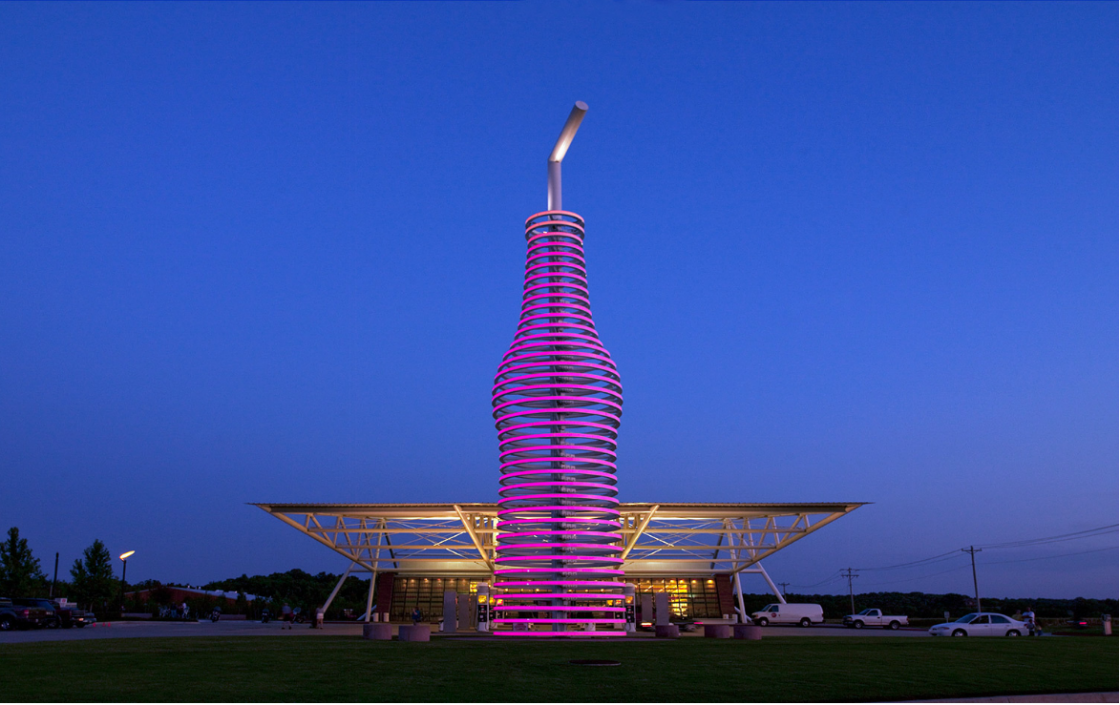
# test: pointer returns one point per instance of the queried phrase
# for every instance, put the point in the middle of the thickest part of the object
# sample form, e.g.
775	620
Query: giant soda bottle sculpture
557	407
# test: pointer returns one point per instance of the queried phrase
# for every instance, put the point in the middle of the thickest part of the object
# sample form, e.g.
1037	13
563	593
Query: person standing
1032	622
286	616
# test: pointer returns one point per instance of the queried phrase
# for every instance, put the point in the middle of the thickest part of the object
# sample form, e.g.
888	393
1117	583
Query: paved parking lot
124	630
836	630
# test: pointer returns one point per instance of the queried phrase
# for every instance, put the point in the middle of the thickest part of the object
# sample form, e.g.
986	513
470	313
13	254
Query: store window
427	594
689	598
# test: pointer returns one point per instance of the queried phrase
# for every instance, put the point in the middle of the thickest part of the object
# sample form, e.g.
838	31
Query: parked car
685	624
789	613
981	624
14	616
875	618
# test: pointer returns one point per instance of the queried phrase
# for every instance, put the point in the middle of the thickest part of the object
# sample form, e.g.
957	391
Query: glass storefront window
427	594
688	598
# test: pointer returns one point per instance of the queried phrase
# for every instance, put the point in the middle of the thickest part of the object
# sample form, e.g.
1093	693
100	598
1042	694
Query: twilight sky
841	252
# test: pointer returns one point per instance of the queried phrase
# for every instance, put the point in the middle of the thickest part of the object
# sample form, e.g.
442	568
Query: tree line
923	605
93	586
298	588
91	583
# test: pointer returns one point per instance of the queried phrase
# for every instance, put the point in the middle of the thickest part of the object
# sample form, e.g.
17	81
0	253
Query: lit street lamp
124	571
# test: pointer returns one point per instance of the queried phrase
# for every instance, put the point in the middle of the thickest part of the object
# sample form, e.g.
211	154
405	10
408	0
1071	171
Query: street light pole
972	551
124	574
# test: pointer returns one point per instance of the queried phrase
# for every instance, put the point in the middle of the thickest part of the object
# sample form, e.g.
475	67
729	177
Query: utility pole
972	551
783	588
55	581
851	595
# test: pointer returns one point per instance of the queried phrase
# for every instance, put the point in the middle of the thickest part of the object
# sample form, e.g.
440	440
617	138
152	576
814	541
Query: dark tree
92	577
20	575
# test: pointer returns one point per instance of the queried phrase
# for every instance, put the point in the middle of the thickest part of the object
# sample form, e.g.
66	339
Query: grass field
350	669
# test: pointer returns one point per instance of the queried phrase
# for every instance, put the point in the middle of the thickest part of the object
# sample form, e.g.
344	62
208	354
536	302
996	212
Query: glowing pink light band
557	401
553	570
562	532
546	595
609	511
561	621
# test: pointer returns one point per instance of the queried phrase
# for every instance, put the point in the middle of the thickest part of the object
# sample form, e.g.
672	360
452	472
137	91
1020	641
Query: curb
1099	697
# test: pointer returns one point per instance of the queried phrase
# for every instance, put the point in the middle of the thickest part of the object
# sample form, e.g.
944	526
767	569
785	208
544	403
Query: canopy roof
669	538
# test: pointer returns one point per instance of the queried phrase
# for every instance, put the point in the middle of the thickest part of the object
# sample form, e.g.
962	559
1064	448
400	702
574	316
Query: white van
786	613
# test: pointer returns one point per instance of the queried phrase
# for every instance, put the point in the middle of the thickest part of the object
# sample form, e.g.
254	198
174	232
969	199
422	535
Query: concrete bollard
415	632
717	631
667	631
465	611
661	611
450	623
378	631
750	632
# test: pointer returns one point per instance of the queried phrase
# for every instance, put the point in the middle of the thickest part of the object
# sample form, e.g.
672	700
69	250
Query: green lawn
319	668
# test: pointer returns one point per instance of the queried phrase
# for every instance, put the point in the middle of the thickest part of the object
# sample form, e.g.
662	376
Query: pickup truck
70	615
12	616
61	614
875	618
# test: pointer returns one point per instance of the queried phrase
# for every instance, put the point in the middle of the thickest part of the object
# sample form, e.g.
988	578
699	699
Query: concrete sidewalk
133	630
1049	698
141	629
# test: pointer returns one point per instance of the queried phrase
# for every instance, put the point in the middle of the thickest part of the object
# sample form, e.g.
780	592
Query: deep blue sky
841	252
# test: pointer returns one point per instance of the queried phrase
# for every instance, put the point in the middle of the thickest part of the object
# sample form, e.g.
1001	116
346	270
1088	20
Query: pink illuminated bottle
557	403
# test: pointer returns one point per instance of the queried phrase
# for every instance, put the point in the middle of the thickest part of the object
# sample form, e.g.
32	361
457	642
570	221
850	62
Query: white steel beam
468	525
334	592
639	530
373	574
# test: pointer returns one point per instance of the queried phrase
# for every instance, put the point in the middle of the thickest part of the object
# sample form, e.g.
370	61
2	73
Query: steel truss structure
667	539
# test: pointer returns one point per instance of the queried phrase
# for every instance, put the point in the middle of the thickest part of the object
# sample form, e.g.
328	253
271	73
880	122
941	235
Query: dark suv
13	616
50	611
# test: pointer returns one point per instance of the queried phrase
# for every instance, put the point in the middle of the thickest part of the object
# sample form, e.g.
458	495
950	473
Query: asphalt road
125	630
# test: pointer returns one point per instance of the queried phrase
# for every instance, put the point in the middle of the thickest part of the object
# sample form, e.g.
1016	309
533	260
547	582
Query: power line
950	555
830	579
1017	560
924	561
919	577
1056	555
1073	536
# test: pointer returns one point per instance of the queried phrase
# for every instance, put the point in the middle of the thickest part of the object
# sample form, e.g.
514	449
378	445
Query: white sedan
981	624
